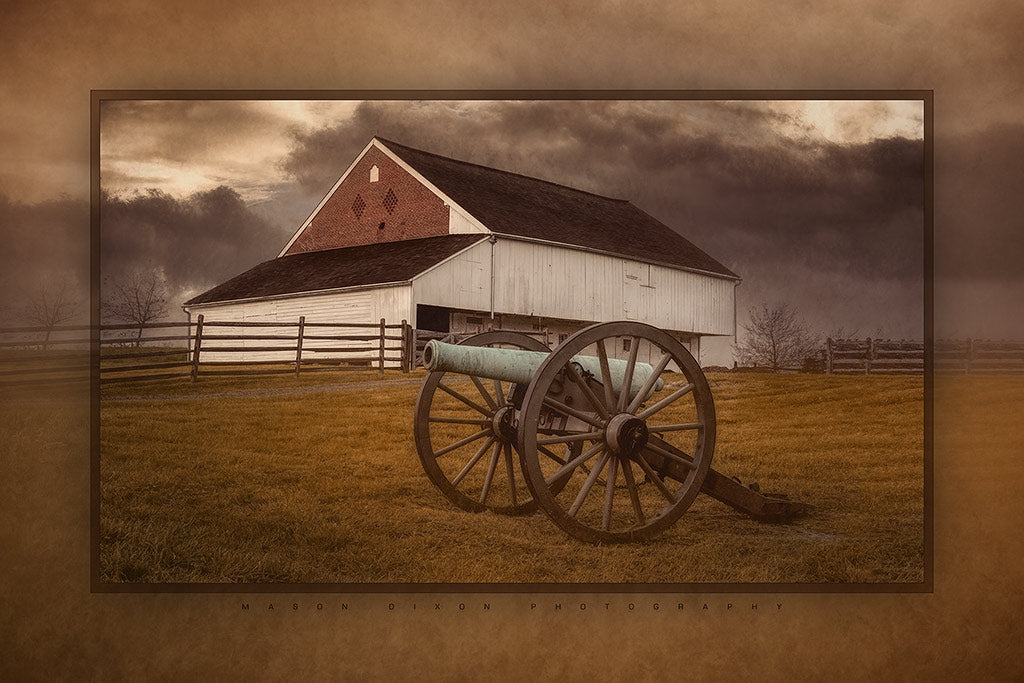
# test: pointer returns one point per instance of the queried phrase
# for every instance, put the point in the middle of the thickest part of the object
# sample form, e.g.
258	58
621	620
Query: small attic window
374	173
358	206
390	201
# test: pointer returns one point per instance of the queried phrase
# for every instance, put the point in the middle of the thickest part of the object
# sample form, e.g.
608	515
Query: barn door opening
433	318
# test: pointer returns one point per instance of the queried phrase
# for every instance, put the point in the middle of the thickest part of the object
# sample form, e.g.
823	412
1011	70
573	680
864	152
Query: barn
454	247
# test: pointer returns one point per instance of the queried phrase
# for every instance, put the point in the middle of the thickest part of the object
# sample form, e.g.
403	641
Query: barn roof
519	205
335	268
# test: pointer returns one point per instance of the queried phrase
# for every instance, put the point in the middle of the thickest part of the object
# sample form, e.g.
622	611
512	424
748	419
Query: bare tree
775	338
50	304
138	298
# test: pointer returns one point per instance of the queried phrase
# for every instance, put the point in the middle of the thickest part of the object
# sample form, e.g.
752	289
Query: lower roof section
335	268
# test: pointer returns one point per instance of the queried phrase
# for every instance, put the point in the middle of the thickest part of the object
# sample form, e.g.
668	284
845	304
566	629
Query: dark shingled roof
351	266
528	207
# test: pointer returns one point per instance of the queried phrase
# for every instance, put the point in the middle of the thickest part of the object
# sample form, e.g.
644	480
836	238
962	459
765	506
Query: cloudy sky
814	204
818	204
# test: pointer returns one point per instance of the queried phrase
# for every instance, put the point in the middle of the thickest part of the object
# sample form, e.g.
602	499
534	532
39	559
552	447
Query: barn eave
296	295
628	257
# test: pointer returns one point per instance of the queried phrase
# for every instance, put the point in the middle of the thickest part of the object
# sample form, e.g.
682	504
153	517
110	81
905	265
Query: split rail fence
205	348
200	348
878	356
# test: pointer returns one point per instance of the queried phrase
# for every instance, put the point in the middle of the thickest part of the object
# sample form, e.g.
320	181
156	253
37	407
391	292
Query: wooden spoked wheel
643	456
466	436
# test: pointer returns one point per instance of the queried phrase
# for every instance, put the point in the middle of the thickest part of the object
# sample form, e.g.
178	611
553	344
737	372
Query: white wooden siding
555	282
458	223
364	306
464	281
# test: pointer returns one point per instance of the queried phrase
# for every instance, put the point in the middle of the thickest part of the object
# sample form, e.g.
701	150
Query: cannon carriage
611	449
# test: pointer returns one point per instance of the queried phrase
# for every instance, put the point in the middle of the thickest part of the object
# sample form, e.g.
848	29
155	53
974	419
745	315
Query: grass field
304	480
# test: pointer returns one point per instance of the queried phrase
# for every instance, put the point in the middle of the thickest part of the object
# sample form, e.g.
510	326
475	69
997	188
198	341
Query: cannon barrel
518	366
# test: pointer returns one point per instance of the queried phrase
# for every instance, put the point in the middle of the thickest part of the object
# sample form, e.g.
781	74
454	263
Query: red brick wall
416	212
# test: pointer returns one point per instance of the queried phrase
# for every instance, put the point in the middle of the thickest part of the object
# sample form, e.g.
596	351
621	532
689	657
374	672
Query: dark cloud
196	241
577	143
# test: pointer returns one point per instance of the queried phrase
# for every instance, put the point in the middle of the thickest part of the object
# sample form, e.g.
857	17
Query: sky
811	203
786	193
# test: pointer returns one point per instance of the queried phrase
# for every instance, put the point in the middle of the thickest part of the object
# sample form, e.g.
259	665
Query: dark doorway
433	318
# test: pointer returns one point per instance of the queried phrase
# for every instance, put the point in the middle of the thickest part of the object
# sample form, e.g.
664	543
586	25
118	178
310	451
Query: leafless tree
50	304
842	333
775	338
138	298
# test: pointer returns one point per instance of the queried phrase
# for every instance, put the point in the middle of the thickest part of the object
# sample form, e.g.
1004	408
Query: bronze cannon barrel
519	366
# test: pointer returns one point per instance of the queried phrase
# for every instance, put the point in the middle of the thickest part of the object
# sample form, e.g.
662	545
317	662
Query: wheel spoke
568	468
678	456
606	374
657	429
627	380
649	384
448	390
566	438
572	412
668	400
656	480
461	442
473	461
499	393
560	461
490	472
458	421
588	484
511	473
609	494
634	496
587	391
484	393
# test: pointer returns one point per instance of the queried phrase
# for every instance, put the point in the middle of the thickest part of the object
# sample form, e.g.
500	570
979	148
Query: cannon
612	449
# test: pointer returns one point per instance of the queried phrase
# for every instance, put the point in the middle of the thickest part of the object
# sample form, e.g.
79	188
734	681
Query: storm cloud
195	242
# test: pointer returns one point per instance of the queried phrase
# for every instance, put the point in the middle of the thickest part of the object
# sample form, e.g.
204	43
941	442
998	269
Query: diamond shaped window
390	201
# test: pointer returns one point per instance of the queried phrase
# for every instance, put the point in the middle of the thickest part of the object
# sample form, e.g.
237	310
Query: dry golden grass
248	484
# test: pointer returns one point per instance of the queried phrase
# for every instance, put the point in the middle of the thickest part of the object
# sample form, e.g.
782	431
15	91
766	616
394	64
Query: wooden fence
40	355
886	356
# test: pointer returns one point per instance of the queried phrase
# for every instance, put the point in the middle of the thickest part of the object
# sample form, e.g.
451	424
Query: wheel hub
626	434
503	424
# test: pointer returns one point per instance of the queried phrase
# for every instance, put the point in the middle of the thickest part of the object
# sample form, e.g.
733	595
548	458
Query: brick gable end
354	213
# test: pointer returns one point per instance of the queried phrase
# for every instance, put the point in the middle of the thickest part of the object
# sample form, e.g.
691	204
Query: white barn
452	246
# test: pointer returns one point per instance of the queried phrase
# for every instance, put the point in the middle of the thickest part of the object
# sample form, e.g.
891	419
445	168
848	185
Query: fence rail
894	357
40	355
190	350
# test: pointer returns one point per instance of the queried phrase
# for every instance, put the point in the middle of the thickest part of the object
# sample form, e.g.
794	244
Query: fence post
382	346
298	345
406	365
870	356
195	349
414	346
828	355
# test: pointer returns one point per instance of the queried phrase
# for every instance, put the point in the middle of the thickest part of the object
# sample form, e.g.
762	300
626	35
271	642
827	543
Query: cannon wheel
484	447
618	488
